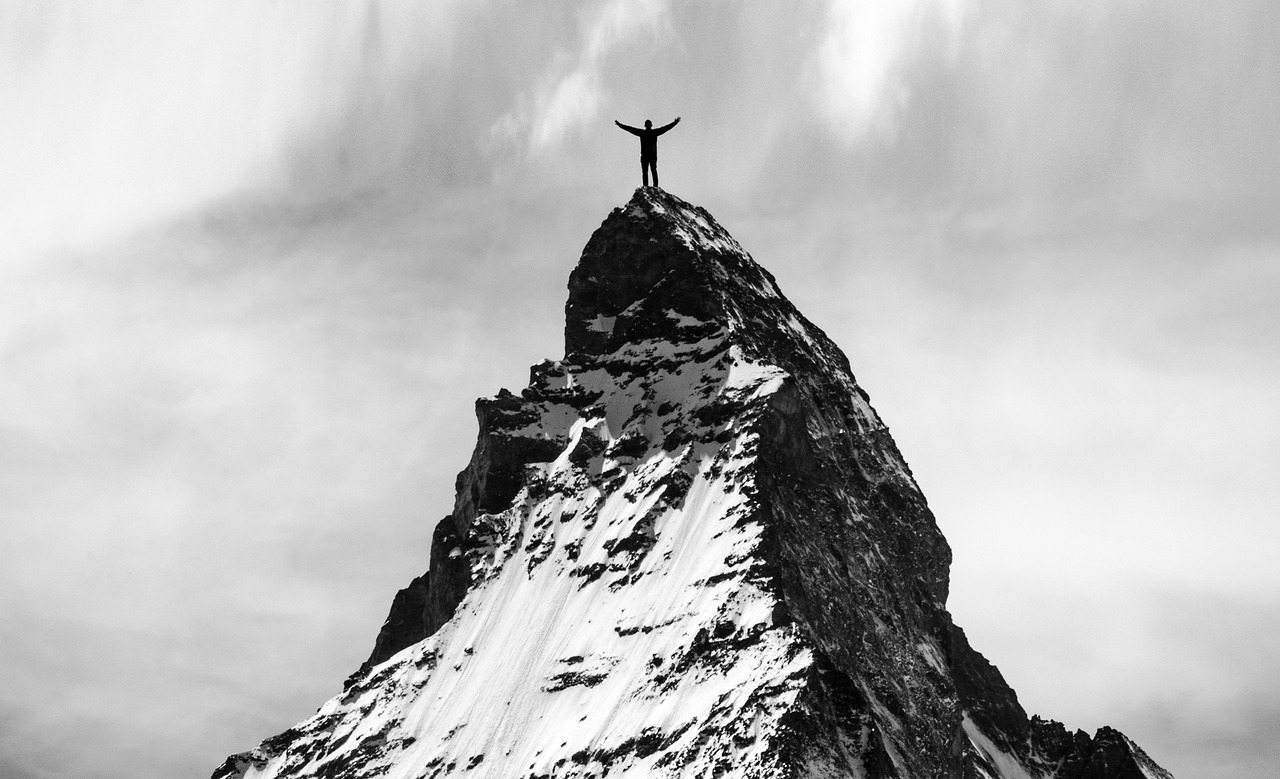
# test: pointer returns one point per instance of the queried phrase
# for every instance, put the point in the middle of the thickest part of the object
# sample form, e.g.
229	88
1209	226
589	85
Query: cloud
862	65
1055	102
122	115
115	116
571	93
1159	100
573	102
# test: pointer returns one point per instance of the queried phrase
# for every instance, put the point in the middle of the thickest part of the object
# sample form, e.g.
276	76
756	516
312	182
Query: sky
257	260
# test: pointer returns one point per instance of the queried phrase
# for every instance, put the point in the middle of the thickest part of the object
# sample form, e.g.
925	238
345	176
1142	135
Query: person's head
648	124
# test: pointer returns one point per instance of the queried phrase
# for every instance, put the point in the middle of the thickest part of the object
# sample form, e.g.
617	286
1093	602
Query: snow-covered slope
689	549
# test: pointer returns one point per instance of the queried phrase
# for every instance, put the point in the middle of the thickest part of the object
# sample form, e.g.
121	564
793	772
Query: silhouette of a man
648	146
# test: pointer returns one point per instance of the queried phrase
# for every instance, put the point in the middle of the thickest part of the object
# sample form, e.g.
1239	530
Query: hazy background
257	260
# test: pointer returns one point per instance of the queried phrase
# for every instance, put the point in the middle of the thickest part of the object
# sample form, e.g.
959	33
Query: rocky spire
689	548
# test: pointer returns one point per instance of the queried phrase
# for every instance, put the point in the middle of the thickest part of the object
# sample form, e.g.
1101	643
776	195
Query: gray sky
259	259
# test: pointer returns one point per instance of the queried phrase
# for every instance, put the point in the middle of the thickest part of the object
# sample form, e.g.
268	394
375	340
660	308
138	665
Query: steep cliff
689	548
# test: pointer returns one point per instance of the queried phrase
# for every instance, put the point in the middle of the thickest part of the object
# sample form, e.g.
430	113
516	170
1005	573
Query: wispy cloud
121	115
571	93
116	115
862	67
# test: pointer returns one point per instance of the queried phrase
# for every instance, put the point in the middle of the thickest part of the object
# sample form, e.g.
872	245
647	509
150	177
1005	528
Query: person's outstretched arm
664	128
631	130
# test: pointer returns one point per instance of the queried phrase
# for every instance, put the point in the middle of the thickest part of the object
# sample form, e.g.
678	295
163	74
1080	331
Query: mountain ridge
696	532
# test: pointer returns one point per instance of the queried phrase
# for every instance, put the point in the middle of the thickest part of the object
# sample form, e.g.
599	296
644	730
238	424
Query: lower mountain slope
688	549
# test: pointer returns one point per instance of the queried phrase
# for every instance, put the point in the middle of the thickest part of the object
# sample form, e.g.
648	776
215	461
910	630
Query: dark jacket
648	138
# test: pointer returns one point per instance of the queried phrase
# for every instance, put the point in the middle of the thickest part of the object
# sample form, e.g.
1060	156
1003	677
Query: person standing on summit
648	146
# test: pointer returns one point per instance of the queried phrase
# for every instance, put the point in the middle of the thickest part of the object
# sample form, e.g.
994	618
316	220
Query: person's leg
654	164
644	171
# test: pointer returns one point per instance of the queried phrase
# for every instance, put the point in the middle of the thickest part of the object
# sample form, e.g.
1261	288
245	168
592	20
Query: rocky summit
688	549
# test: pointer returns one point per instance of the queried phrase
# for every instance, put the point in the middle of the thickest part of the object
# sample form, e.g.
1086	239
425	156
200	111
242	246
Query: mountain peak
689	548
656	248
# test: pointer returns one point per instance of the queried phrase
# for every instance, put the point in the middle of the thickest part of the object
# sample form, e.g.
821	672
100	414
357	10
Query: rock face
688	549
